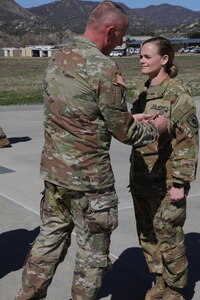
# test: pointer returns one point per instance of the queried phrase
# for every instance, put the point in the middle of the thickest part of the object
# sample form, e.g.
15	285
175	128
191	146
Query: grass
21	79
188	74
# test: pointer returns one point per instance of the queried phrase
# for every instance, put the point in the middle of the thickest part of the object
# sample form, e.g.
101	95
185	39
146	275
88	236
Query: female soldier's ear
165	59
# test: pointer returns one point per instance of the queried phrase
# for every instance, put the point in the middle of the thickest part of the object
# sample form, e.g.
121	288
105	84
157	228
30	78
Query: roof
172	40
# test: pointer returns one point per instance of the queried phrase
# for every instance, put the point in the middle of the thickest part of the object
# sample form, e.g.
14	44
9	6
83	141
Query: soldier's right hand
142	117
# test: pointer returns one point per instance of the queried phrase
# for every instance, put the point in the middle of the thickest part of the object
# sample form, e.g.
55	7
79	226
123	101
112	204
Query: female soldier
161	172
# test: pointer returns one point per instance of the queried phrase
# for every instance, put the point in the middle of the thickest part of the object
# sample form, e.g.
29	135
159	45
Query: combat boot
173	294
4	142
158	290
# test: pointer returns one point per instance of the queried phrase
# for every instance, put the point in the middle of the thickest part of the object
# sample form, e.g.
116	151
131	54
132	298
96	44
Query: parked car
195	50
116	53
190	49
137	51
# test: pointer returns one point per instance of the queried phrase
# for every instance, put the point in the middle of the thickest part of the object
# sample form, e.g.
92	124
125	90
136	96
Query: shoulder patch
193	121
120	80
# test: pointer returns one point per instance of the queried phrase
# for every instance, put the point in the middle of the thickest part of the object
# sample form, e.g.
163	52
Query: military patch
160	107
193	121
120	80
185	108
119	91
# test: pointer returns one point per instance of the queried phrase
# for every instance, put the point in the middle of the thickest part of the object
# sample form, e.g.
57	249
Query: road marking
24	206
128	207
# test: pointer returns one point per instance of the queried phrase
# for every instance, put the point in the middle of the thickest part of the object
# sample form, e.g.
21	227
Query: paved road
20	188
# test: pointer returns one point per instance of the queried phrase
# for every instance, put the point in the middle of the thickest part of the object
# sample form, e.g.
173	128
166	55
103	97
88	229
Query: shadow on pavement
15	140
14	246
192	241
129	278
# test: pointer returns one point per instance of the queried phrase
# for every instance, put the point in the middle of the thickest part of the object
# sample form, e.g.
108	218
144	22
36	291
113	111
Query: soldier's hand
176	194
160	122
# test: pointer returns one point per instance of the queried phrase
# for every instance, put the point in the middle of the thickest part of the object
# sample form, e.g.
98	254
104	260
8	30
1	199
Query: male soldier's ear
110	31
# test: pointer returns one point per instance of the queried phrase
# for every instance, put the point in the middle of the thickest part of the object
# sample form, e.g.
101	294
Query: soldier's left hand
142	117
176	194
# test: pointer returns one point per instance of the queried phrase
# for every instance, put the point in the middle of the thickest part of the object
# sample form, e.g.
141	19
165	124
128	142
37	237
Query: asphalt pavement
20	188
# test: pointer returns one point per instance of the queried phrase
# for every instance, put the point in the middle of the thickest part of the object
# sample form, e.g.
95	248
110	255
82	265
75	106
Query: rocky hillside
72	14
62	15
188	29
15	19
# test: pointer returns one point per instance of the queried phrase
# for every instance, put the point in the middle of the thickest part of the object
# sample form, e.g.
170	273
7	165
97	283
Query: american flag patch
120	80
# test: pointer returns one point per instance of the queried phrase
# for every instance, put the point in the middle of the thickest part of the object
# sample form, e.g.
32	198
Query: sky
192	4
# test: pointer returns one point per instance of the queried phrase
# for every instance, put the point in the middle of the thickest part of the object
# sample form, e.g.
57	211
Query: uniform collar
82	39
155	92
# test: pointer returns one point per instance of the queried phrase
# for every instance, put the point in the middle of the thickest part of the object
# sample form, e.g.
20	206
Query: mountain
72	14
16	19
62	15
169	15
191	29
65	14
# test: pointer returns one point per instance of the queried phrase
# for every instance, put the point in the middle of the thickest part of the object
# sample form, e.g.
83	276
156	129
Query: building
131	45
29	51
135	42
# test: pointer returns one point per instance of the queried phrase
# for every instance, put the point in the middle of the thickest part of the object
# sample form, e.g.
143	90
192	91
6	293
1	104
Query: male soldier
4	142
84	107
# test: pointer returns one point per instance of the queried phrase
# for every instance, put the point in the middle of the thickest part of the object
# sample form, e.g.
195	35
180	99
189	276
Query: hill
71	15
15	19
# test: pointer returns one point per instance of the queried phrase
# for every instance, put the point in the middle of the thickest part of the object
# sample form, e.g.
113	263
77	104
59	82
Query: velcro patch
193	121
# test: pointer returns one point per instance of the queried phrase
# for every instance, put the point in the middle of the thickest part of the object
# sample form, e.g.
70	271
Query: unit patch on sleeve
192	120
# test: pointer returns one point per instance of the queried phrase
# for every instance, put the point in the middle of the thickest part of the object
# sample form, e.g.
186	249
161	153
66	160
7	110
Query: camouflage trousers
4	142
94	215
2	134
160	231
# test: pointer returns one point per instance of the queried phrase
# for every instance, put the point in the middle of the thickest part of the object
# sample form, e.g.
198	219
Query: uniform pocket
102	212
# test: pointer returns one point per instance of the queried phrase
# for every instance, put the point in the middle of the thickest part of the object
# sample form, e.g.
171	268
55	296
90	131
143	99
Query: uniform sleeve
113	107
185	143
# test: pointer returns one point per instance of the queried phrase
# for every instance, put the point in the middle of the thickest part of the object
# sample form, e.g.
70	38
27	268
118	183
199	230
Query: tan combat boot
4	142
173	294
158	290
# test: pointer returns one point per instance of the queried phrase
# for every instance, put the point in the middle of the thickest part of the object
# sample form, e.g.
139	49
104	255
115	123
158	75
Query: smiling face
151	62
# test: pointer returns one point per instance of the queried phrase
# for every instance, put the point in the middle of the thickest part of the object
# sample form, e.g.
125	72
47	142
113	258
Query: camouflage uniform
171	161
3	139
84	107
